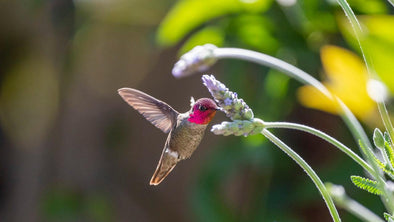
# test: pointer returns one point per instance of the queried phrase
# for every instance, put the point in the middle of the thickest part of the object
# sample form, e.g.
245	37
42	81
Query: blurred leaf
314	17
213	35
99	208
187	15
62	205
368	7
324	21
347	79
254	141
255	32
276	85
378	41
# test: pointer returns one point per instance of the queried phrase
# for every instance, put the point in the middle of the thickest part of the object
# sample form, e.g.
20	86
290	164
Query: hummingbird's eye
202	108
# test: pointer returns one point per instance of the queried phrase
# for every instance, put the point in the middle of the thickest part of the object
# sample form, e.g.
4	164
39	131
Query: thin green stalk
354	125
388	199
386	119
391	2
387	196
324	136
344	201
357	30
296	73
301	76
351	121
274	63
360	211
309	171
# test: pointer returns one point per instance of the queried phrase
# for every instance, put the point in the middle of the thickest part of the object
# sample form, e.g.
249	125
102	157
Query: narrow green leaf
388	148
390	152
387	137
209	34
366	184
385	167
378	139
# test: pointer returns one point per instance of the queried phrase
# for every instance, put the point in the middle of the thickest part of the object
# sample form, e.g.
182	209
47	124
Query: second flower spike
235	108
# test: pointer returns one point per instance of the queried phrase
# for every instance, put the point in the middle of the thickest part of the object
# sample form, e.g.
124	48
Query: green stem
388	199
296	73
359	210
309	171
357	30
354	125
324	136
299	75
386	119
272	62
344	201
391	2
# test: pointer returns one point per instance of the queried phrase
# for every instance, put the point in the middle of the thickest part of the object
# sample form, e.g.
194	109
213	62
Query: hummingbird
185	130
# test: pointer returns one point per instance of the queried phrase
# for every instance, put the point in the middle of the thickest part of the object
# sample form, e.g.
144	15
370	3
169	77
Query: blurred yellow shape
378	42
346	77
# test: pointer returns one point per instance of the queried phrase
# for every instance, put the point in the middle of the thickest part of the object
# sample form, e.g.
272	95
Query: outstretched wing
157	112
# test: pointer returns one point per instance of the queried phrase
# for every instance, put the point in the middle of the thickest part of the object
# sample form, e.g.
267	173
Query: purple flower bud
235	108
227	101
239	127
199	59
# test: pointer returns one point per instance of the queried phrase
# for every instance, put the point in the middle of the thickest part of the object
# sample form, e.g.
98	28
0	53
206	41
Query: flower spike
235	108
199	59
239	127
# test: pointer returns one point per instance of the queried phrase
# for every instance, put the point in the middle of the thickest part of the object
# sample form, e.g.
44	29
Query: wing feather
159	113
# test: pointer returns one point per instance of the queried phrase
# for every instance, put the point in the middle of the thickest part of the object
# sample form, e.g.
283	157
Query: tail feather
166	164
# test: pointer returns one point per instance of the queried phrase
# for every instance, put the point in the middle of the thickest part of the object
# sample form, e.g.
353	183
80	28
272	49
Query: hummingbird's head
203	111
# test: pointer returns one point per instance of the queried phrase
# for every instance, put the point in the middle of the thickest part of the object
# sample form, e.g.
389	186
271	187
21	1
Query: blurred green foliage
66	205
188	15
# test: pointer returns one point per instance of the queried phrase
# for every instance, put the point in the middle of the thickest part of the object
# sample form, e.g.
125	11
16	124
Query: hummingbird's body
185	138
186	130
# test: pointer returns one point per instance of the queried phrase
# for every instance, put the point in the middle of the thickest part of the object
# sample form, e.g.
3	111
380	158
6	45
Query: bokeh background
72	150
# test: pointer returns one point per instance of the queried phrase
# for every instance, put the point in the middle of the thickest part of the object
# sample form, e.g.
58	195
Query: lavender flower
199	59
239	127
235	109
